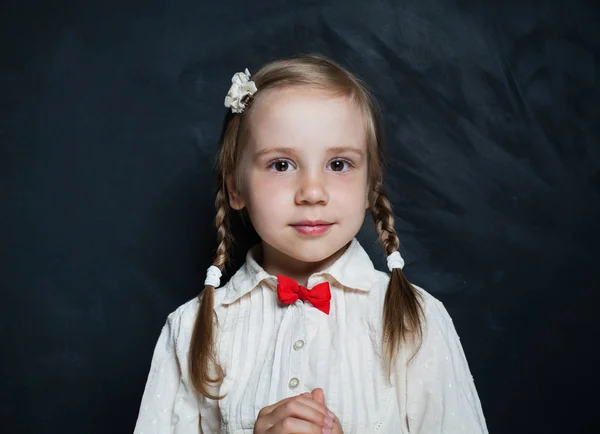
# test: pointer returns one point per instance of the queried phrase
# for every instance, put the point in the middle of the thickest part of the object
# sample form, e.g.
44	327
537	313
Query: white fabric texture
263	345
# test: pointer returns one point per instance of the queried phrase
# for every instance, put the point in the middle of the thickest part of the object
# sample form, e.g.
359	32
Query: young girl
307	337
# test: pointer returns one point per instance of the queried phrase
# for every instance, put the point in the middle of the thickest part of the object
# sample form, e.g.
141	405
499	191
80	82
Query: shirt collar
353	270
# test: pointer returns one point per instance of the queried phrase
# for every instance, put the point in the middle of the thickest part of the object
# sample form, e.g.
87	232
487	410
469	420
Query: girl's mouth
317	227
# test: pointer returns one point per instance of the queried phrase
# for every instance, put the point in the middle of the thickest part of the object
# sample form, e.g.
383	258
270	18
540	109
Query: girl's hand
319	396
299	414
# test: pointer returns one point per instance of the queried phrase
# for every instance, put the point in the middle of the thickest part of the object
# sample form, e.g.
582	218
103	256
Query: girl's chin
313	252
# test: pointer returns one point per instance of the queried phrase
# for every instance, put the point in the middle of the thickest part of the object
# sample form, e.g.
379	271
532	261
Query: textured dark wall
110	112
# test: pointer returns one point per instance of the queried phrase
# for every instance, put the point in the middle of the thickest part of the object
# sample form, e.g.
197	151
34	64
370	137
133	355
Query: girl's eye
281	166
340	165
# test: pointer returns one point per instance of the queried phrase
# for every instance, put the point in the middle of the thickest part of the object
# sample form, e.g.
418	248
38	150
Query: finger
318	395
305	409
270	408
337	429
321	408
292	425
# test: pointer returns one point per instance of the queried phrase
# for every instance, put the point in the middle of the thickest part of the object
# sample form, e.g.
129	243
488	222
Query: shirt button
294	383
298	344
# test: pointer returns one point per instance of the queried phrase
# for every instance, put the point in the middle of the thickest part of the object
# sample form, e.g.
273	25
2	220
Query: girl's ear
235	198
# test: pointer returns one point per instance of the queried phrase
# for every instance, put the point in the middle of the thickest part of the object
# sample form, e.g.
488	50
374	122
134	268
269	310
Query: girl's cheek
270	186
350	181
273	179
349	188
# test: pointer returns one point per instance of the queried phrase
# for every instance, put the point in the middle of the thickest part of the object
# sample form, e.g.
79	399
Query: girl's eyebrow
292	151
274	151
342	149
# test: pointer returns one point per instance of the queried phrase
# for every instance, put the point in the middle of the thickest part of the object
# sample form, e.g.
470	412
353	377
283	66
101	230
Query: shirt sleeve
168	403
441	395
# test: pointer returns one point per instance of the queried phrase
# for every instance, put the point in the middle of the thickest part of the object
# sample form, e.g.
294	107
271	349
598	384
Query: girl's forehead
299	114
298	94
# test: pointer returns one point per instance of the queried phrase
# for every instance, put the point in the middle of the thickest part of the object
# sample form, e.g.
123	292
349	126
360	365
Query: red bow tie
289	291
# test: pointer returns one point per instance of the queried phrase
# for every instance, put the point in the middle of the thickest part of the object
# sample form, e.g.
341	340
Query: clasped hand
302	414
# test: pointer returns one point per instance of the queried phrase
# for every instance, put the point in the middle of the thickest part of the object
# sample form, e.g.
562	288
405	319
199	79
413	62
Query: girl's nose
312	190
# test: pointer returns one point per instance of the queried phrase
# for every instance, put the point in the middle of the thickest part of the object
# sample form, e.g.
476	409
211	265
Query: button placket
297	358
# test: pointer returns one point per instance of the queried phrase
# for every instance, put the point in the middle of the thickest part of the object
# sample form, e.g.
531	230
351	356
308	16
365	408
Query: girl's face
302	176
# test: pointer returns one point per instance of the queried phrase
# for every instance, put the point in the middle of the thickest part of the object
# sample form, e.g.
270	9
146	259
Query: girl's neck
275	262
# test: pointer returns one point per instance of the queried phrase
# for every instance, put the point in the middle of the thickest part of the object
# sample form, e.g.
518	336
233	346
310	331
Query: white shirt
272	351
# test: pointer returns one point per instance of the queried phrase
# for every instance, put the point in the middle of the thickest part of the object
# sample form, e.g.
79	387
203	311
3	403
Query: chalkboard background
110	114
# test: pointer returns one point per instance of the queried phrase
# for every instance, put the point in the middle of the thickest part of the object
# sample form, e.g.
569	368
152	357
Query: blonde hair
402	311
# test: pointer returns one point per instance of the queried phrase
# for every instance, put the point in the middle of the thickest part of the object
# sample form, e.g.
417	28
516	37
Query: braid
202	354
402	310
223	229
384	220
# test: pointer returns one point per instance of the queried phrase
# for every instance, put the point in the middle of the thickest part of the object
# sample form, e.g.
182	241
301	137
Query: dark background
110	113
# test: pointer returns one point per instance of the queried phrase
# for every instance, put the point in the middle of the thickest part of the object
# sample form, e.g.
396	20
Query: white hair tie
395	261
213	277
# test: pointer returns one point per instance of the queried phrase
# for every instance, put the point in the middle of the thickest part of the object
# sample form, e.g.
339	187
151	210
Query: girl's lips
312	229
